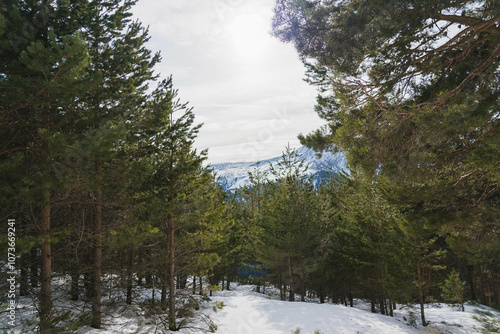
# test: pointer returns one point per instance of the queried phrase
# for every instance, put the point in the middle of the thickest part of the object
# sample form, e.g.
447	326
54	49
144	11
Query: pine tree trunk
382	303
481	285
391	310
291	297
280	285
321	294
74	284
171	260
164	277
470	281
386	274
421	294
130	275
97	255
302	288
153	288
46	268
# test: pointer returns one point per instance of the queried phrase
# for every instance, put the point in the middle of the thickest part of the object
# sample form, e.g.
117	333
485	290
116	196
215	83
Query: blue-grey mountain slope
233	175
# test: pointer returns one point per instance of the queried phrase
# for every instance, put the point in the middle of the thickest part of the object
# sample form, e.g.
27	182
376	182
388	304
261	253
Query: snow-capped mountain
233	175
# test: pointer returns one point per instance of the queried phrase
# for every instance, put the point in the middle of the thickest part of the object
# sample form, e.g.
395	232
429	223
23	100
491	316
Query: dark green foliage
409	90
92	164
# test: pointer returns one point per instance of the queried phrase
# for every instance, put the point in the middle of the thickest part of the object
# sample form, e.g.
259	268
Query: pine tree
41	75
410	92
453	289
287	220
123	68
178	191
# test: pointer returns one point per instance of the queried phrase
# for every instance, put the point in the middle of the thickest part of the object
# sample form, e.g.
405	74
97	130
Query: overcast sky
245	86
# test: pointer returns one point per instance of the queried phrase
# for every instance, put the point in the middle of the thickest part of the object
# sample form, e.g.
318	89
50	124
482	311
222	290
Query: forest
102	191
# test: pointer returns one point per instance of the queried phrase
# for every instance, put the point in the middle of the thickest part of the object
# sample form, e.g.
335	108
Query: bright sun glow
249	36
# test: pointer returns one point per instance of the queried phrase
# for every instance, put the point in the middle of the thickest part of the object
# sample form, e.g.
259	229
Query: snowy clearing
248	312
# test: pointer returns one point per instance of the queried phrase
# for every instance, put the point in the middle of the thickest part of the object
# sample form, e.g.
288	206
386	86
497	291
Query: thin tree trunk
421	294
171	259
382	304
482	286
153	288
291	297
321	294
46	268
470	280
391	310
280	285
97	252
75	276
164	277
130	275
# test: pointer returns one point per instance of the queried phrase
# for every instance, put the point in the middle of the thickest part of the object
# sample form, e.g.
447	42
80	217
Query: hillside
233	175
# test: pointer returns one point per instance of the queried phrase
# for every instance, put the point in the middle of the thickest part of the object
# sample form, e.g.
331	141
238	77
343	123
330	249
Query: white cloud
245	86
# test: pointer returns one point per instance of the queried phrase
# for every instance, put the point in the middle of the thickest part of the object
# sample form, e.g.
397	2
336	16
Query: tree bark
46	268
171	260
421	294
391	309
75	276
97	252
470	281
153	288
130	275
291	297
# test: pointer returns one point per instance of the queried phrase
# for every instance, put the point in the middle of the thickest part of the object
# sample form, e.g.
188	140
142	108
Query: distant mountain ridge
234	175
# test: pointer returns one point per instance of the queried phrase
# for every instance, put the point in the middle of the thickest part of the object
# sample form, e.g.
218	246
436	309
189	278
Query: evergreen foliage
409	90
98	167
453	289
95	167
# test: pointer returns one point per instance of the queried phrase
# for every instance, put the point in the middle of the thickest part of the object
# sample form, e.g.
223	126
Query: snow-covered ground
243	311
247	312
